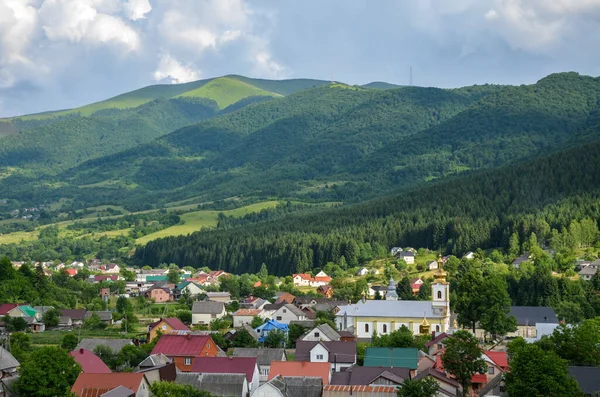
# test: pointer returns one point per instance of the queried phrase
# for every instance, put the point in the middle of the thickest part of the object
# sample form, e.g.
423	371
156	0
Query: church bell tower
440	289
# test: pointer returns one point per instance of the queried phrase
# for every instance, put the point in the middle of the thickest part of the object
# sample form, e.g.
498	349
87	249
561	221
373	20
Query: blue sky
63	53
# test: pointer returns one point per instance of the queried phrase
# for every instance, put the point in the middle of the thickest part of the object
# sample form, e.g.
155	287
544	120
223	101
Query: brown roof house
340	355
93	385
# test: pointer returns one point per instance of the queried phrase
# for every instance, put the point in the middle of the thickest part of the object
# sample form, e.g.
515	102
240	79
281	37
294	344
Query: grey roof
62	320
75	314
120	391
294	309
263	356
223	294
7	360
154	360
298	386
329	332
588	379
356	375
216	384
251	331
399	308
588	271
207	307
104	315
530	315
328	305
303	323
339	351
116	345
273	306
43	309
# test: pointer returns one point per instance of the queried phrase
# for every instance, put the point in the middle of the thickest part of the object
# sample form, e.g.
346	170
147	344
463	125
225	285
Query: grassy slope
226	91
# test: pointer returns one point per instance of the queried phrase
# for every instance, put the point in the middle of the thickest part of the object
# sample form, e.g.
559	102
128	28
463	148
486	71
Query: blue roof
272	325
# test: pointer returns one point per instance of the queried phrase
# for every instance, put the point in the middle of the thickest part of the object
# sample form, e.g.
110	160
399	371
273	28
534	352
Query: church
386	316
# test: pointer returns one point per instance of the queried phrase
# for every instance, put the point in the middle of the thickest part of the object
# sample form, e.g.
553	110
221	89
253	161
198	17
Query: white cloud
137	9
18	20
171	70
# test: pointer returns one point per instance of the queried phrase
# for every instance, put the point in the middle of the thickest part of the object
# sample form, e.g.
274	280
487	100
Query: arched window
437	328
385	328
439	294
366	327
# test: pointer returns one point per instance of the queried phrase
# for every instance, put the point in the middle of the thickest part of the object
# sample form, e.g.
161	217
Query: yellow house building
385	316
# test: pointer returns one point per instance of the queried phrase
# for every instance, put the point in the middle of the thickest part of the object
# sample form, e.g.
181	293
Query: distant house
363	271
220	385
392	357
264	357
187	287
100	278
269	326
340	355
322	332
245	316
90	362
288	313
77	316
373	289
436	344
104	315
160	292
8	364
116	345
587	273
229	365
224	297
345	390
528	316
325	290
301	368
284	297
433	265
306	280
88	384
185	349
111	268
406	256
447	386
165	326
203	312
469	255
415	284
70	272
165	372
364	376
588	379
291	386
523	258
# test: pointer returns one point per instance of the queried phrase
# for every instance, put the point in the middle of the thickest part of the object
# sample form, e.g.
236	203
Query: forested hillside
479	210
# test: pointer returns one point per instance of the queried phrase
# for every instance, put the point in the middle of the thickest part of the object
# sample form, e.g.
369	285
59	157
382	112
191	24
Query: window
439	294
264	371
208	345
278	318
317	334
501	388
164	327
437	328
491	370
319	356
285	310
366	327
440	346
188	361
385	328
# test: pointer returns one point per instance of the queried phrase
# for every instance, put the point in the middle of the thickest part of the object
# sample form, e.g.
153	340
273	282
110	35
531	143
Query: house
345	390
448	387
497	363
322	332
254	303
165	326
224	297
301	368
588	379
309	313
229	365
541	330
203	312
528	316
373	289
433	265
221	385
159	292
302	279
90	362
271	325
364	376
111	268
115	345
104	315
339	354
325	290
469	255
245	316
264	357
164	372
425	362
65	322
415	284
494	388
321	278
21	310
386	316
288	313
70	272
436	344
187	287
8	363
88	384
77	316
587	273
291	386
363	271
523	258
284	297
184	349
392	357
100	278
406	256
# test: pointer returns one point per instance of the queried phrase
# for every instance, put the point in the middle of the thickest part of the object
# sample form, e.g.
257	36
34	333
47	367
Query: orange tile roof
304	276
362	388
479	378
248	312
89	382
300	368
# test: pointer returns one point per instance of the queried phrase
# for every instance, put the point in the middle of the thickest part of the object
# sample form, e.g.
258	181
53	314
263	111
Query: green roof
28	310
181	286
391	357
156	278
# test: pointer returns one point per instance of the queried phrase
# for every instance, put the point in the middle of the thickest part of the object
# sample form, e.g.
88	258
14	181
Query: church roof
383	308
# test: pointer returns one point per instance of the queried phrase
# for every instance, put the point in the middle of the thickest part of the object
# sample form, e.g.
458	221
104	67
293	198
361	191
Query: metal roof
382	308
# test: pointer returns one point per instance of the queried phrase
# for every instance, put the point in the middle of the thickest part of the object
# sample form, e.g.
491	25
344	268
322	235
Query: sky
57	54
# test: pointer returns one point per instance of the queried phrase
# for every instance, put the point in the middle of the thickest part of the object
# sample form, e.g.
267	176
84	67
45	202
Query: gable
319	349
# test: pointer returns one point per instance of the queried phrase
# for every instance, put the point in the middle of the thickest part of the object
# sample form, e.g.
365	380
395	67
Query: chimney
188	336
432	335
81	351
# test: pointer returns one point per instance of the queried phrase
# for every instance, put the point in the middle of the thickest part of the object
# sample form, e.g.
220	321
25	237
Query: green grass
54	337
226	91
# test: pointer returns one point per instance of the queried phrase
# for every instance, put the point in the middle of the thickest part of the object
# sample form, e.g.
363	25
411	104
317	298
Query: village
292	336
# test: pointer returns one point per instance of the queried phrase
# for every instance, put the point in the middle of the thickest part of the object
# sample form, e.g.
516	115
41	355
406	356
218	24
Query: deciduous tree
462	358
48	372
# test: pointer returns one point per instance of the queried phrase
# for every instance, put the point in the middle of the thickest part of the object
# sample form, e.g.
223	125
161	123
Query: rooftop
225	365
300	368
339	351
530	315
90	362
106	382
390	308
263	356
208	307
116	345
181	345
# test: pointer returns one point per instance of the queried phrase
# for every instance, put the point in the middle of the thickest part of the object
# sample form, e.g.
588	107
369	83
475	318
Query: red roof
86	381
500	358
378	389
323	278
71	272
479	378
90	362
6	307
181	345
113	277
300	368
257	284
304	276
286	297
226	365
174	322
248	312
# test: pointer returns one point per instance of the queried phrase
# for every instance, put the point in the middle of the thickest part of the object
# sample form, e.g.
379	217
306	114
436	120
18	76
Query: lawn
227	91
55	337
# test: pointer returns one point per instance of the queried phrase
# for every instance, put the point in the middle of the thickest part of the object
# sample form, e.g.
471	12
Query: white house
191	288
288	313
340	354
264	357
432	265
205	312
322	332
111	268
245	316
469	255
291	386
406	256
363	271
